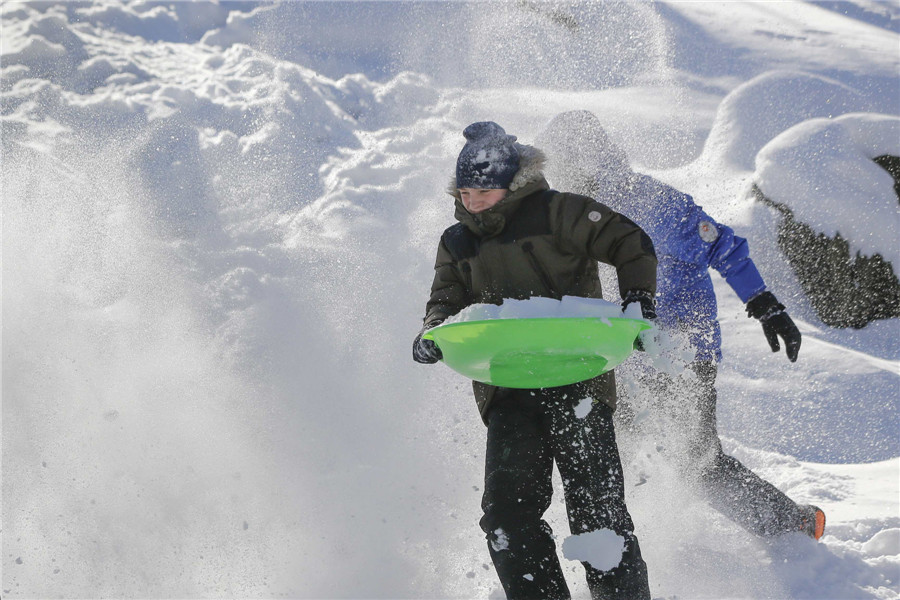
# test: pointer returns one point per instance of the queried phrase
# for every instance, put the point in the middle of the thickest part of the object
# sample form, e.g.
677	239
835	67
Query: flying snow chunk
602	549
584	406
501	542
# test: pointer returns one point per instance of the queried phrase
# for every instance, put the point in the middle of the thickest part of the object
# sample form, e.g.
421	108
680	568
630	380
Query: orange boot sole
820	524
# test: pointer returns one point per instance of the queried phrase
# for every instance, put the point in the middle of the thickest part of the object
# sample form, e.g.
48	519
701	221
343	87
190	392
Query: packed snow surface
219	226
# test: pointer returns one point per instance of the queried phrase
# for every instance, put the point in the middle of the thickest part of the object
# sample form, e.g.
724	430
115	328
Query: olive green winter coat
536	242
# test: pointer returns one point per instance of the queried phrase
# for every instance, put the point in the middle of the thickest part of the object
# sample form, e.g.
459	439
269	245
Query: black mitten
426	351
775	322
645	299
648	310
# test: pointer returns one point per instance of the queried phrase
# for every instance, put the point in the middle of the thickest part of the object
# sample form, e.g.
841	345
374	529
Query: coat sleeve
710	244
449	293
585	226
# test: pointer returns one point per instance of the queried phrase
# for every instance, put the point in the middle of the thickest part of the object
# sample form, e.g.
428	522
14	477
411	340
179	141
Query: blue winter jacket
688	242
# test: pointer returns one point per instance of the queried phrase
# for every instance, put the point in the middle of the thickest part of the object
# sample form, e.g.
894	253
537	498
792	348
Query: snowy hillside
219	224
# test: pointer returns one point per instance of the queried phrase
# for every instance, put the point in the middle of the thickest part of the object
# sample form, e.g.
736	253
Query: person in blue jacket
688	243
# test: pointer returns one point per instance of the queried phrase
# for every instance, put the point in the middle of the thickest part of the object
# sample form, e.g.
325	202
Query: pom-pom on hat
489	160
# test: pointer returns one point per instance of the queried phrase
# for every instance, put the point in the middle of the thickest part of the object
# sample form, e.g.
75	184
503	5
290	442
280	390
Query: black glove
645	299
648	310
775	322
426	351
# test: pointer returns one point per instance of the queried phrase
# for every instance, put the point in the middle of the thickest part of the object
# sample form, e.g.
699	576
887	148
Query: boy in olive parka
516	238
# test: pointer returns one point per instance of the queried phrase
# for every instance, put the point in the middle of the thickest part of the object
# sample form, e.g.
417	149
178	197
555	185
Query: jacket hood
583	158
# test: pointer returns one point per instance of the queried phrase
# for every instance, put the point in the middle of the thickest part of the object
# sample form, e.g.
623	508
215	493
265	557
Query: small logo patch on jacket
594	216
708	231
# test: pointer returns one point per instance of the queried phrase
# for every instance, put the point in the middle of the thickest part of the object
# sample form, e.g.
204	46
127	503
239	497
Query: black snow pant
729	486
527	431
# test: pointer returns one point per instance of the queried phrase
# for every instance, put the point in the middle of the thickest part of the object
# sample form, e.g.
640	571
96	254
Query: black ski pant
729	486
527	431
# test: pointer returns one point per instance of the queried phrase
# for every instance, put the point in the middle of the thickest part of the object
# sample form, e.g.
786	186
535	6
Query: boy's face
476	200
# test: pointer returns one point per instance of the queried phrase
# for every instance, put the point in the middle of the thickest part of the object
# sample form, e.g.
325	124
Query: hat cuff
481	185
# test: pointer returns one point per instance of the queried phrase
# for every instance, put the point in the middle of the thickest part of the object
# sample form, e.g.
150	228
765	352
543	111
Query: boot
813	522
627	581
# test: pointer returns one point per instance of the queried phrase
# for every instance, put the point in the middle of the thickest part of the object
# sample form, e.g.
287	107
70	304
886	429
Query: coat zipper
545	278
466	269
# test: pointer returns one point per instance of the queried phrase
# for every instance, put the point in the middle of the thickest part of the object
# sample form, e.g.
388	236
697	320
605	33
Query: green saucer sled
536	352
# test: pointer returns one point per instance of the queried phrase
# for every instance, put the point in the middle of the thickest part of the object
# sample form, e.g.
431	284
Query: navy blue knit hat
489	160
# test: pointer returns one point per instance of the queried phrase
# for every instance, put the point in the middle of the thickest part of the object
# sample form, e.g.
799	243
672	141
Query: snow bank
822	170
763	107
462	44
